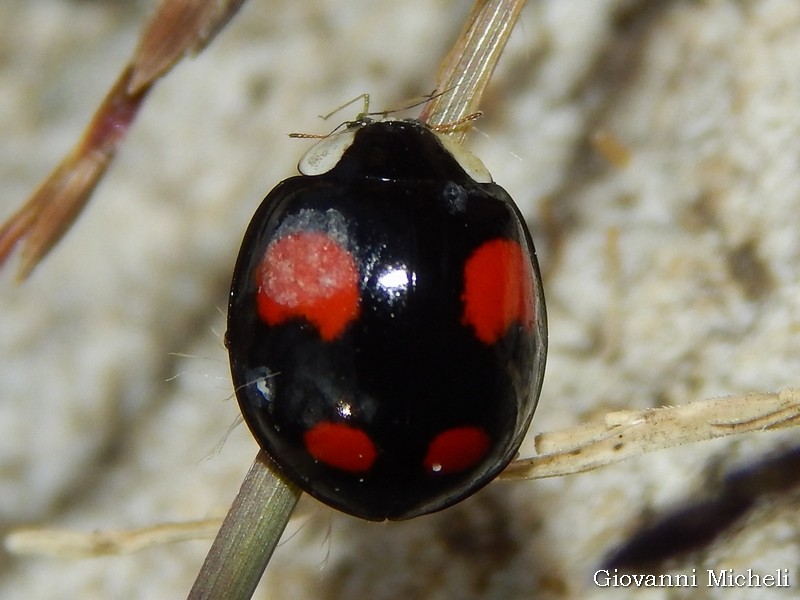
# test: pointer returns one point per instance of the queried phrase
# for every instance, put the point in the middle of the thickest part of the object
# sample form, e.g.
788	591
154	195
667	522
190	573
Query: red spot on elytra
340	446
456	449
308	275
498	289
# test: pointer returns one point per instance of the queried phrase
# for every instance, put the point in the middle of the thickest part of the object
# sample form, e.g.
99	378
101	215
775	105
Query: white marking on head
326	153
472	165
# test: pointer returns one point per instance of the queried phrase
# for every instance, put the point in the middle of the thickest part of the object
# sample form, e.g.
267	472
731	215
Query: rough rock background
671	279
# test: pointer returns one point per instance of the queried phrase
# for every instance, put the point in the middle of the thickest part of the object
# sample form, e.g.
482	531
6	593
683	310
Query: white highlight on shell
394	279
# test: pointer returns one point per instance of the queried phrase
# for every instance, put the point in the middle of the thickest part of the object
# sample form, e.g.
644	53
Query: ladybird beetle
386	325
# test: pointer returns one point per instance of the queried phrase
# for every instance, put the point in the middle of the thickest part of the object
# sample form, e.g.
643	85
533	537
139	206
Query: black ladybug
386	326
